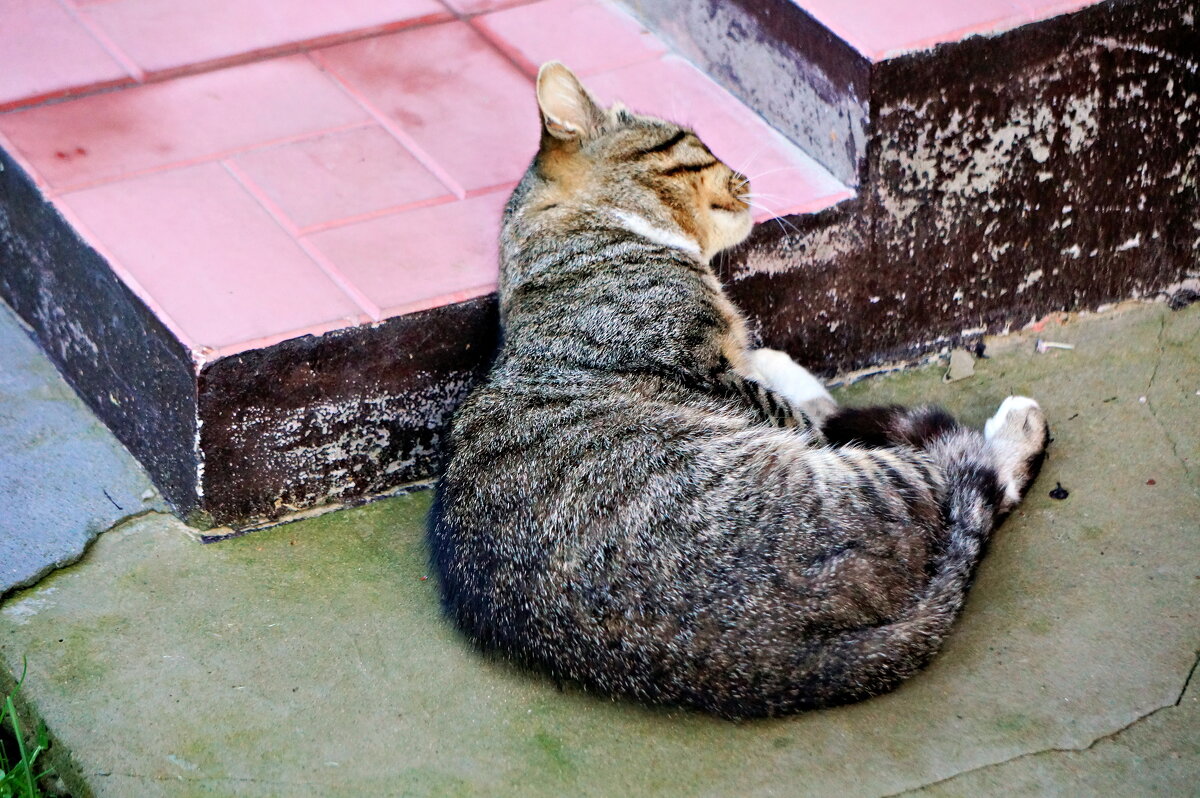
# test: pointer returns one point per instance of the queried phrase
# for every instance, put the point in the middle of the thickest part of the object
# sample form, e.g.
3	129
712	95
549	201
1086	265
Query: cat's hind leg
785	376
1016	437
888	425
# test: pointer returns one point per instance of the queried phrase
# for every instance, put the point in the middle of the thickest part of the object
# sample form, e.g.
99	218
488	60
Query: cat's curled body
636	500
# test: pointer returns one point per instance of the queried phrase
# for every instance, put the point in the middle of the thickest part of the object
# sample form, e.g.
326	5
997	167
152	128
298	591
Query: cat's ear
568	111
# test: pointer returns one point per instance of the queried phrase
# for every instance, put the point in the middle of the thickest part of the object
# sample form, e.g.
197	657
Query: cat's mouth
731	223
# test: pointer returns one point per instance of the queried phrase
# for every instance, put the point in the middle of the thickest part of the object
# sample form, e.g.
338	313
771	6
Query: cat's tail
985	477
861	663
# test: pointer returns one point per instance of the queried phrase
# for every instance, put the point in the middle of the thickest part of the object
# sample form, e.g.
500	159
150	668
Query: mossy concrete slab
64	478
1157	756
312	659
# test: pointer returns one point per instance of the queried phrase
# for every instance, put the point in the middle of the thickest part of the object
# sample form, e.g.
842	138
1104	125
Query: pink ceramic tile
782	177
482	6
462	108
883	28
339	175
421	258
211	257
1044	9
587	35
164	36
44	52
105	136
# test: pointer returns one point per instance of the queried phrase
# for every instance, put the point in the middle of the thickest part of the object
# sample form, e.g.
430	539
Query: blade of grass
16	726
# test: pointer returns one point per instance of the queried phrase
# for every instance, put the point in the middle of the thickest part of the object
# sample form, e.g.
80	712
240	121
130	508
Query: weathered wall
332	418
802	282
1060	170
1051	167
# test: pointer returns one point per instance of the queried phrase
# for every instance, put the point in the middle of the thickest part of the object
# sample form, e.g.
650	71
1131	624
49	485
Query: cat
637	500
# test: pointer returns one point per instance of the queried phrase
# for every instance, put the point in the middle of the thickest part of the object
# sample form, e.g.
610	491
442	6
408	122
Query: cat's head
655	175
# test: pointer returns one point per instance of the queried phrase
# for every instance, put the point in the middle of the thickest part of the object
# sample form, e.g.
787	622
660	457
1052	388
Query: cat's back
561	419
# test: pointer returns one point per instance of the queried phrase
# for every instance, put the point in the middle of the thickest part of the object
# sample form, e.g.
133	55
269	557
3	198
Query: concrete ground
311	659
63	476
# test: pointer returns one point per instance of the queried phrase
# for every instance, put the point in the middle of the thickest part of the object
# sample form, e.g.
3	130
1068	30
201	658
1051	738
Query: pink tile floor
881	29
262	169
340	184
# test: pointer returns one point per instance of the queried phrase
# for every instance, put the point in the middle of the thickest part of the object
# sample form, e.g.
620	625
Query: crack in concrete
1061	750
1162	351
55	567
202	779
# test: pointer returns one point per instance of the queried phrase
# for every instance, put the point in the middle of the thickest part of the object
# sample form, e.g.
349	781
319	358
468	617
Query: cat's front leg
785	376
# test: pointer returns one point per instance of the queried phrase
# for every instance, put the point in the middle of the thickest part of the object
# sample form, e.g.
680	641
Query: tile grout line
136	76
451	10
208	158
297	47
512	53
508	53
366	216
397	132
505	5
69	93
324	264
104	40
507	186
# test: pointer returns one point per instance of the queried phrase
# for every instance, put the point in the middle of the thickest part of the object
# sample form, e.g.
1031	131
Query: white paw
1014	406
1016	437
780	373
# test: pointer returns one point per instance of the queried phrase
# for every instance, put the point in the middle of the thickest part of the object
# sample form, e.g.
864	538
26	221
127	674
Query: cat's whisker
785	226
767	202
749	162
761	195
776	170
758	205
788	227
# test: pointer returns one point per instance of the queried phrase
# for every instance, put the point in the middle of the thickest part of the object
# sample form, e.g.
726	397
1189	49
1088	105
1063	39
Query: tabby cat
639	501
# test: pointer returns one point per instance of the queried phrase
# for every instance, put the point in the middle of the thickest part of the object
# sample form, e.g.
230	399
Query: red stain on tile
883	28
783	178
336	176
421	258
152	126
164	37
211	258
44	53
462	108
587	35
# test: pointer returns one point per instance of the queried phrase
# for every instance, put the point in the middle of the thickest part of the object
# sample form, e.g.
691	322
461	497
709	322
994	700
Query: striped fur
637	501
